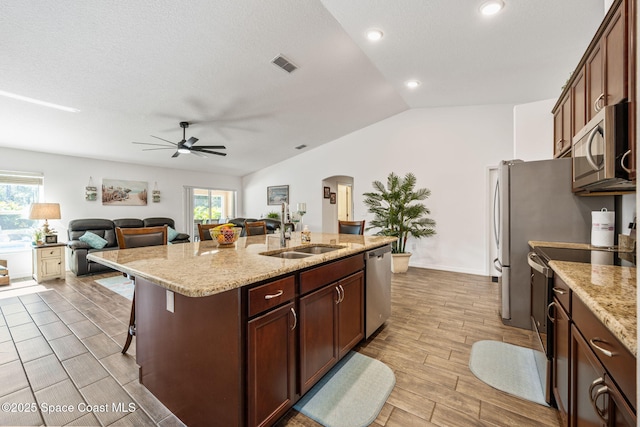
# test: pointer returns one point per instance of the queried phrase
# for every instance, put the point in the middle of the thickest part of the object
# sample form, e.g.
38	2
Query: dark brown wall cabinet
604	76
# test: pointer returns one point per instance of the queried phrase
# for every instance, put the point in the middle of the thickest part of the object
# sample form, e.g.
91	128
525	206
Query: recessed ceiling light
374	35
38	102
491	7
412	84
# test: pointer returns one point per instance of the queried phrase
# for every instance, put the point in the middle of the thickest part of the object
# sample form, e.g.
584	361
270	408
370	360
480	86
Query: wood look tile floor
63	347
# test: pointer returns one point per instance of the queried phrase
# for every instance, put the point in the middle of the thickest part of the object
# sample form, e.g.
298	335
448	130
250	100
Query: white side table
48	262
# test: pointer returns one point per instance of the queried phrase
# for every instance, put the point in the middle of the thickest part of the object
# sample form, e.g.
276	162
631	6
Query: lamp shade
44	211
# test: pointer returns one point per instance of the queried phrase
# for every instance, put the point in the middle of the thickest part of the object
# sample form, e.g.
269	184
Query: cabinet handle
624	156
559	291
342	291
602	413
596	104
295	319
593	342
594	384
338	292
276	295
552	319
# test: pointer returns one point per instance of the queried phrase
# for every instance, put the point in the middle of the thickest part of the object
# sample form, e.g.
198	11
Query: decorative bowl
225	236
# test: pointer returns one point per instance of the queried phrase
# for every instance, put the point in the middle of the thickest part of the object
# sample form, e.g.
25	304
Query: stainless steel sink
315	250
303	252
290	255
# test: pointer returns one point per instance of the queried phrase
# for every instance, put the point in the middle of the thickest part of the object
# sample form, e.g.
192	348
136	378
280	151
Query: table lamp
45	211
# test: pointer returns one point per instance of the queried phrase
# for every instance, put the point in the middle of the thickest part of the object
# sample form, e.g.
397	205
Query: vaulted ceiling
137	69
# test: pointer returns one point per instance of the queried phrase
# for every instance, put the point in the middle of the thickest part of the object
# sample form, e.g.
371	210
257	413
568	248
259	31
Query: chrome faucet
283	240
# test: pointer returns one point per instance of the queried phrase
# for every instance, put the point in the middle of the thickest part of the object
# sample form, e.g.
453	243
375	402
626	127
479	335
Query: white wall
448	149
533	130
65	179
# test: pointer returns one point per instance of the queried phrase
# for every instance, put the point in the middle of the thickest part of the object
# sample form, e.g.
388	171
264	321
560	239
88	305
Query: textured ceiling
137	69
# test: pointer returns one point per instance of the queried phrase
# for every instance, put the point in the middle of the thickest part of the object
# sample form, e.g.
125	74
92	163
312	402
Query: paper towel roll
602	228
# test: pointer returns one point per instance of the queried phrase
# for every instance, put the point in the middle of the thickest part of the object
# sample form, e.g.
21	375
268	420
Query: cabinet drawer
562	293
620	364
329	273
272	294
51	252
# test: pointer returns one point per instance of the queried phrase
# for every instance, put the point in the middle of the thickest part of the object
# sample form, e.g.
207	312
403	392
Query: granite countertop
202	268
608	290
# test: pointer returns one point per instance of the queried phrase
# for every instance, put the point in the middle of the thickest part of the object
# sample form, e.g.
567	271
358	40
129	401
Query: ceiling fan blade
152	149
197	153
190	142
176	154
210	152
148	143
215	147
157	137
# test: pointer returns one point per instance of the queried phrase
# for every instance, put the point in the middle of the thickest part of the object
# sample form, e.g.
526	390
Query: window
18	190
208	205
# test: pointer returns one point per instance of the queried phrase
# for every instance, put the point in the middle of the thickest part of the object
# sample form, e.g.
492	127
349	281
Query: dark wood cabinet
596	399
271	365
561	360
331	324
318	335
594	375
350	313
604	76
562	127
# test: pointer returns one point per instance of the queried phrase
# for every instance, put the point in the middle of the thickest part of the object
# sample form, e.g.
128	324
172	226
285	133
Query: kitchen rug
118	284
509	368
351	394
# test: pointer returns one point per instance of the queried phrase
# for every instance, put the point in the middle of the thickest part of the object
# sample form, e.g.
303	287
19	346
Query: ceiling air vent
300	147
284	63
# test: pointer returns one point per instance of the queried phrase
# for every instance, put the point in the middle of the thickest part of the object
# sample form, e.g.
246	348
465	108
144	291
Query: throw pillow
171	234
93	240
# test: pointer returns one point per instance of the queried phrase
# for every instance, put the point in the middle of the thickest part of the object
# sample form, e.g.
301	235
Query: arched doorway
339	204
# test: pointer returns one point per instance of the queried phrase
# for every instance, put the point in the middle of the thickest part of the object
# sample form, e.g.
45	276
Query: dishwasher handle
379	252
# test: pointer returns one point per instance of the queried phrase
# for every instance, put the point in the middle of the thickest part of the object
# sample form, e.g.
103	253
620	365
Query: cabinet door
561	354
50	267
595	89
318	334
589	407
350	313
557	132
579	100
615	63
271	365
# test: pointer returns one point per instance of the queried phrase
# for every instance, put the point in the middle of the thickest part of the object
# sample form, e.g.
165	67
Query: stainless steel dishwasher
378	288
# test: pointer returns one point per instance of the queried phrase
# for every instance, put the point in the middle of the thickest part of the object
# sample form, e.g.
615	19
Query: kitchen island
235	336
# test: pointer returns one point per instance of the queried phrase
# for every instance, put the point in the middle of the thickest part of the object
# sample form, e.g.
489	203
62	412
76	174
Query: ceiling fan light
183	150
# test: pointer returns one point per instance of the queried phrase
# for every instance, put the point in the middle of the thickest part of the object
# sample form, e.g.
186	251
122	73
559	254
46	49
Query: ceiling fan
185	146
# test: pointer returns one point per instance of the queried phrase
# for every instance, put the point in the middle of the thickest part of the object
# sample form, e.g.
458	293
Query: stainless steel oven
541	284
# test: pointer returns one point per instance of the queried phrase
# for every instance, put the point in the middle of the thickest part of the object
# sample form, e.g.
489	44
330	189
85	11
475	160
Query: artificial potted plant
398	213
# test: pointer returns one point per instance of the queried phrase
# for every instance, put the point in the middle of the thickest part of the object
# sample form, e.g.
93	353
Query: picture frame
50	238
332	198
119	192
277	194
327	192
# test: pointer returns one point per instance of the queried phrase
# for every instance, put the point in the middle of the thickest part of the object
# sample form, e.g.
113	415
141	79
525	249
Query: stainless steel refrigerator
533	201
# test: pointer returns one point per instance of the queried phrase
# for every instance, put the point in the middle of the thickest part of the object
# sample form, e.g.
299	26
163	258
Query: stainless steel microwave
600	152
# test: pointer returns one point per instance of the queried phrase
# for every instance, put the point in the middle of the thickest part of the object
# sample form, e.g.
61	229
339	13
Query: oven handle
538	265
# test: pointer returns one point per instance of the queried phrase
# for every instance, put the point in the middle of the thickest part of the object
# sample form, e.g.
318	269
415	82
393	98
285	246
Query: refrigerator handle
496	213
497	265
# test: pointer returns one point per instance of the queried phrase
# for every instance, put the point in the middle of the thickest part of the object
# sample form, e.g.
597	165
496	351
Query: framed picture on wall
327	192
277	194
332	198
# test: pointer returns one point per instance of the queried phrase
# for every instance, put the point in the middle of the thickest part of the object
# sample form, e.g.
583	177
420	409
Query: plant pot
400	262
